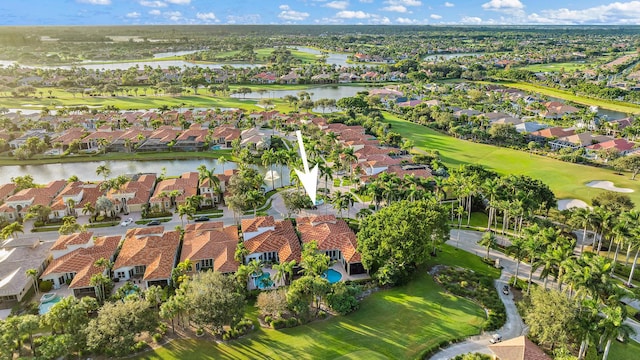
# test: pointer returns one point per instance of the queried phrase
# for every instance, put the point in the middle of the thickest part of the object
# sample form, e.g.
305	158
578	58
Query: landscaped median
405	322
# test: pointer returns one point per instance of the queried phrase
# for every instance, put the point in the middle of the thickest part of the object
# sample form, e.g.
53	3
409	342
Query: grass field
566	66
400	323
579	99
565	179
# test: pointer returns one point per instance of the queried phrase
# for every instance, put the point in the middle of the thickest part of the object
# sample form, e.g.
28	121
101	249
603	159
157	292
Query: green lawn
565	179
450	255
567	66
401	323
621	106
628	350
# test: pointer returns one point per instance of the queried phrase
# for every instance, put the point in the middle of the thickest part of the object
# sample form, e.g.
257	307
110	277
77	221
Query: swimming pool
263	281
332	275
46	306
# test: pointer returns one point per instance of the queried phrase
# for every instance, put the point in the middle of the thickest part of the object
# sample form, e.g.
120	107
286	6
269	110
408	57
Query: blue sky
474	12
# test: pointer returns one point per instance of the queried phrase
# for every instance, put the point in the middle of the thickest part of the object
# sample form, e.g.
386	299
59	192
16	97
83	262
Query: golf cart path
513	327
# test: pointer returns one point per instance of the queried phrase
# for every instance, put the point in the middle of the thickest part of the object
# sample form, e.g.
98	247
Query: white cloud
404	2
210	16
96	2
613	13
435	16
244	19
366	1
340	5
292	15
133	15
350	14
471	20
173	15
395	8
405	21
179	2
503	5
379	20
448	4
153	4
154	12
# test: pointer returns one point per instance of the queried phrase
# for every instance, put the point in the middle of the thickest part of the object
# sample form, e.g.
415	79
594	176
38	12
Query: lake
319	92
86	171
450	56
332	58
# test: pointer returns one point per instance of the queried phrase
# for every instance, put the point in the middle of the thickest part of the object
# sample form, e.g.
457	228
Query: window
140	269
120	274
207	263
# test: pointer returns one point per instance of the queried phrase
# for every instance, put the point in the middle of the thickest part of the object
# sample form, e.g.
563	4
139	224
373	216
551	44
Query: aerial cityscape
363	179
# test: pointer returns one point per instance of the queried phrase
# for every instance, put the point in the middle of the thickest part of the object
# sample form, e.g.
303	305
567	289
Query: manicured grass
628	350
567	180
621	106
400	323
567	66
451	256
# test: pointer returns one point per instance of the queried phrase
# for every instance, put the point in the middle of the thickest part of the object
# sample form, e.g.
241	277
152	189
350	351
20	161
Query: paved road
513	327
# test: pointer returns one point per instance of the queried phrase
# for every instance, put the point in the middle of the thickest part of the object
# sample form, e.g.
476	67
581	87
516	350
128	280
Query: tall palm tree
282	158
89	209
209	175
33	274
490	189
104	171
268	158
584	218
12	230
518	249
460	211
222	160
284	271
612	326
488	239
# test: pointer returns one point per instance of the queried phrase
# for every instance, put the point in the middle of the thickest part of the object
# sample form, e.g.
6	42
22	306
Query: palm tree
105	264
205	174
284	271
104	171
534	246
89	208
33	274
99	282
490	189
612	326
241	252
12	230
460	211
488	239
518	250
222	160
281	158
268	159
326	173
582	217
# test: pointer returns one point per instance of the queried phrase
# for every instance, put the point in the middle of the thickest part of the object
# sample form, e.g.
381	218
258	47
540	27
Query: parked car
201	218
496	338
505	289
154	223
126	222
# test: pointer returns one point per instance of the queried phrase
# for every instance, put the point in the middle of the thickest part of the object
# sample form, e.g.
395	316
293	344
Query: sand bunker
608	185
565	204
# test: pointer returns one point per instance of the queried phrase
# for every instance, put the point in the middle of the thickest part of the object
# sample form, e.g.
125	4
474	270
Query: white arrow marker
309	179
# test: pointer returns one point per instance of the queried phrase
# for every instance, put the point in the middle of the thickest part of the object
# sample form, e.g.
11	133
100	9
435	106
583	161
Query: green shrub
156	337
342	297
139	346
268	319
292	321
278	323
45	286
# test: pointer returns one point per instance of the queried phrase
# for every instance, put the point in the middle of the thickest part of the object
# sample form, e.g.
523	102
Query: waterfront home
270	241
184	186
17	205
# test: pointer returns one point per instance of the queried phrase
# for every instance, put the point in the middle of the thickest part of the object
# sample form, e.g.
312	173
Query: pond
86	171
318	92
332	58
450	56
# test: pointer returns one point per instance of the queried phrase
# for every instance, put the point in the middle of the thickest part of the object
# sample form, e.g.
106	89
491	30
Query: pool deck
337	267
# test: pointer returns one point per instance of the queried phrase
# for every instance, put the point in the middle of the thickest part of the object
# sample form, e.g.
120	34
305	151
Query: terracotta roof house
192	139
73	197
69	136
224	134
18	204
255	139
270	241
159	140
16	257
186	185
67	243
78	265
377	163
134	194
556	110
552	133
622	146
210	245
577	141
335	238
92	142
519	348
6	190
130	140
148	254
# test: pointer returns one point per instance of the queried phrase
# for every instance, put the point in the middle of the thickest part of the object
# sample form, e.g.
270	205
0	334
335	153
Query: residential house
71	200
556	110
622	146
65	139
192	139
16	257
134	194
101	139
130	140
577	141
185	186
520	348
77	266
550	134
210	246
290	78
17	205
334	238
270	241
224	135
160	139
20	141
148	255
255	139
529	127
6	190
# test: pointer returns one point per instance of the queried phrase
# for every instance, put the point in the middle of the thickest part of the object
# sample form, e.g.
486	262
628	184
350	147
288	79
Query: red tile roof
146	247
252	225
65	241
282	239
330	234
211	241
